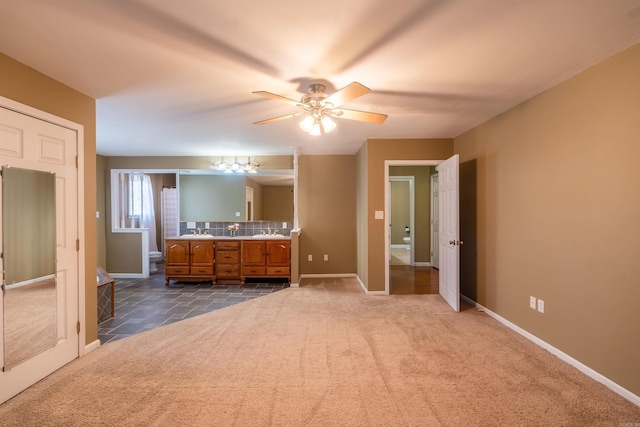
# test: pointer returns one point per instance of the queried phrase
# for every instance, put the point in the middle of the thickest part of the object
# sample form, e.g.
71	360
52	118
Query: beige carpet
323	354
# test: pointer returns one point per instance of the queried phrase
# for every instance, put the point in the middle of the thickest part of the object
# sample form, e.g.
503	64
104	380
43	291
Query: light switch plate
379	215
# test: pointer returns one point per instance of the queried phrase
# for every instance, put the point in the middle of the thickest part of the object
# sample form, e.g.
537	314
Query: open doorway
401	214
410	219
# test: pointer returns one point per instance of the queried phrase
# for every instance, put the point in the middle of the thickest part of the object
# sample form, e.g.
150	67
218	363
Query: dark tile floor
143	304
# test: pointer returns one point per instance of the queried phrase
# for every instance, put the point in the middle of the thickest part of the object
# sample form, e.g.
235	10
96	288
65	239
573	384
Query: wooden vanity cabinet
266	258
228	261
189	260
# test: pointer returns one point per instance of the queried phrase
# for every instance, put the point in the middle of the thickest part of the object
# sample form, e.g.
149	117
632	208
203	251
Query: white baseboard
633	398
400	246
128	275
422	264
90	347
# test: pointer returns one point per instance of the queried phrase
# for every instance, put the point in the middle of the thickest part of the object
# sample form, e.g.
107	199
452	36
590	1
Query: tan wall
558	214
327	213
121	258
379	150
27	86
280	203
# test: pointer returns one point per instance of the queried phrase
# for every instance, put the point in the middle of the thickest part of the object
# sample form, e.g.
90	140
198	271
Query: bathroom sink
196	236
268	236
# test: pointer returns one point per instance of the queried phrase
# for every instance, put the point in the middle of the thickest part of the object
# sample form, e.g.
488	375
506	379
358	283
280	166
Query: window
134	205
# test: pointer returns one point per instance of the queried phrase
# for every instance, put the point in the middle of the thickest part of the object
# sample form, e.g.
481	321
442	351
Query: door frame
434	228
387	165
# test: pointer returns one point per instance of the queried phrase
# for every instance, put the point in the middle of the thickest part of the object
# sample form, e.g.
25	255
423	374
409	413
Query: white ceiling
175	77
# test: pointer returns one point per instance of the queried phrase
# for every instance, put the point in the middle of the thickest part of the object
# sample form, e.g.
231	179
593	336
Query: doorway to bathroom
401	219
410	235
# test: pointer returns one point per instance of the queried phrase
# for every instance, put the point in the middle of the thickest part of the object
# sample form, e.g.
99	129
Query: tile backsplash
217	228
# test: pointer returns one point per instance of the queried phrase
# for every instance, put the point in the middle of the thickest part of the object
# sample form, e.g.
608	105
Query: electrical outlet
326	257
309	257
540	306
532	302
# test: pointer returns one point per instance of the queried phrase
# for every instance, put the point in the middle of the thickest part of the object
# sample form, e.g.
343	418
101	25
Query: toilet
154	257
407	241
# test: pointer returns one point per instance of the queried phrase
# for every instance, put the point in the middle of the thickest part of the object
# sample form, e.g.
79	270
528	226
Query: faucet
269	230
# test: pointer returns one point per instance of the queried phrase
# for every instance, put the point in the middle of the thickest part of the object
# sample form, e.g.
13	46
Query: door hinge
77	245
78	326
77	162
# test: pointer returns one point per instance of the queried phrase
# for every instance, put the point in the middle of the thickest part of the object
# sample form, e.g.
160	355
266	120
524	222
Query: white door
33	144
435	223
448	194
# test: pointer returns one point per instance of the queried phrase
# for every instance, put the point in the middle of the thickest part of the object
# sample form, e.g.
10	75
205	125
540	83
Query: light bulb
307	123
327	124
315	129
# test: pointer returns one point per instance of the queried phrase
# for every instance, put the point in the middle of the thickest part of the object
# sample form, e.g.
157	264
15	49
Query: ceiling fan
318	108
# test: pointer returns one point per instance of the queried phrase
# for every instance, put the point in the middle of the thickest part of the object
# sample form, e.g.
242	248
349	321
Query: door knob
456	242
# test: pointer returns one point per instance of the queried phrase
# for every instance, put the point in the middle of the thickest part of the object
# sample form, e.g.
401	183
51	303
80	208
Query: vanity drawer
278	271
202	271
226	245
177	271
254	271
228	257
227	270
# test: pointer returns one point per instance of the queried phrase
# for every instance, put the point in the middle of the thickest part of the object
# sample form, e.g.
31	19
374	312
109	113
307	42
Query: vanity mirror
215	196
29	263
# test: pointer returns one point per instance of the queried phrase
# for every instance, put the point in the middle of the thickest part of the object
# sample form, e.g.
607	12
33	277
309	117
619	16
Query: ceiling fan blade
347	93
277	97
363	116
275	119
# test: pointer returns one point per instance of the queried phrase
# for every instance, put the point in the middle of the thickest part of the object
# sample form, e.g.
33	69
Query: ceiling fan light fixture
318	107
236	166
